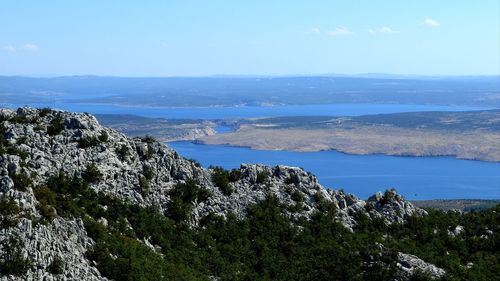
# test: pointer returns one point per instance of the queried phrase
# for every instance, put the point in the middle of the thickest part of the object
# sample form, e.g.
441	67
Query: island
473	135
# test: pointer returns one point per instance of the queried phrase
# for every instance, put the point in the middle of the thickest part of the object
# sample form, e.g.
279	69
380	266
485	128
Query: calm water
249	111
363	175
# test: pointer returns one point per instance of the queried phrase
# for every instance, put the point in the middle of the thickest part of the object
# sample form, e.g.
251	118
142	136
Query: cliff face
38	144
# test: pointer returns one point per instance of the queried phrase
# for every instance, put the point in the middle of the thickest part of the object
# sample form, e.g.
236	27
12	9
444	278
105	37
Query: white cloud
30	47
430	23
9	48
340	31
384	29
315	30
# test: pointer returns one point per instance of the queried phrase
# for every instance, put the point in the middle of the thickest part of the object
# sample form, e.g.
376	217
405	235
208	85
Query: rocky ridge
46	142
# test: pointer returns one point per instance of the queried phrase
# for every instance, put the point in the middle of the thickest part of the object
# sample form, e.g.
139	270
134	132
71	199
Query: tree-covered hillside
137	243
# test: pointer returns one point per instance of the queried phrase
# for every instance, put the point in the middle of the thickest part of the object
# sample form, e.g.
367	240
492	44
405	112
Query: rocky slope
38	144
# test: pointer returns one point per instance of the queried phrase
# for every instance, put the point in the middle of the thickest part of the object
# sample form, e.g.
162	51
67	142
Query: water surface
363	175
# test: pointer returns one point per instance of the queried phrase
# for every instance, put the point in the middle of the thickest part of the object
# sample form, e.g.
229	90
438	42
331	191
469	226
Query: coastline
368	141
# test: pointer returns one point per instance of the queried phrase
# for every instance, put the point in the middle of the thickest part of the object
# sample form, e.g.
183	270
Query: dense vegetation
222	179
265	245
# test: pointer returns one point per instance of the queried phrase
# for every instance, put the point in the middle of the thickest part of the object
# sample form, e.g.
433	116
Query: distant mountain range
254	90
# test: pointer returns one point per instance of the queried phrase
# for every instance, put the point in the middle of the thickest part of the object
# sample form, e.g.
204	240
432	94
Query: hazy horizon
253	75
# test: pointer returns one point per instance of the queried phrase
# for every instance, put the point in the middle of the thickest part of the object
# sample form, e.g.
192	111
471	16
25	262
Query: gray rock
121	160
410	263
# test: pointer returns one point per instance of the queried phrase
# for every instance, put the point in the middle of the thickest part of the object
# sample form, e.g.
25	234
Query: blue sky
197	38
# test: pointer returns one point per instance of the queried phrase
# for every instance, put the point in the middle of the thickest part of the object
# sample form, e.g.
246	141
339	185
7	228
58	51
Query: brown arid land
465	135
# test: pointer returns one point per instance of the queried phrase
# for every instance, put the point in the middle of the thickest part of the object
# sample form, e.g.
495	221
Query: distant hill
232	91
465	205
162	129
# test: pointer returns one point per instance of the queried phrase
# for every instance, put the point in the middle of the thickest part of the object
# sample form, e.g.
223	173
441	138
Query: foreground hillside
471	135
79	201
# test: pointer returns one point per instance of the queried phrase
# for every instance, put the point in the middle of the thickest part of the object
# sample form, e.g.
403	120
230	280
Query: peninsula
473	135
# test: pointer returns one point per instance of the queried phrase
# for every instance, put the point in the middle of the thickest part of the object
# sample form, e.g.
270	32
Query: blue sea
417	178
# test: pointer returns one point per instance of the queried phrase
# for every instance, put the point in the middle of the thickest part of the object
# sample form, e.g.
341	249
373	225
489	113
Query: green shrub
420	275
292	179
21	180
135	261
324	205
234	175
143	185
21	140
42	112
56	266
178	210
47	200
56	125
297	196
388	196
23	119
92	174
148	139
297	207
9	212
12	260
149	152
220	178
262	177
38	127
65	196
176	155
318	197
123	152
88	142
14	150
48	212
148	172
95	230
182	197
103	137
203	194
45	194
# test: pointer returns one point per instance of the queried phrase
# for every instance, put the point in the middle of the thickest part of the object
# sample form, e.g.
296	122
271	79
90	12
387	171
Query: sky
259	37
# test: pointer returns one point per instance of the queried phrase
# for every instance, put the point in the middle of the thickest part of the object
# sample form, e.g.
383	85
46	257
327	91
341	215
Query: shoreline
202	142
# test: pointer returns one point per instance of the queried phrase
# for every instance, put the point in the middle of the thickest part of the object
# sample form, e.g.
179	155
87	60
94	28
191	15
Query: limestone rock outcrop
45	142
